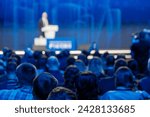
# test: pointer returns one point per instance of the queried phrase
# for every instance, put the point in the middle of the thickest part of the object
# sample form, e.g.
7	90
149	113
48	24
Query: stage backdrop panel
107	22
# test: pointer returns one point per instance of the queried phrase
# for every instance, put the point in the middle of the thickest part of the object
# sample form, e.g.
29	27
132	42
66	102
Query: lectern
50	31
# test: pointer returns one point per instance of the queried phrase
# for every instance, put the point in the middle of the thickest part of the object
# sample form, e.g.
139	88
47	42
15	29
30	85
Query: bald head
44	15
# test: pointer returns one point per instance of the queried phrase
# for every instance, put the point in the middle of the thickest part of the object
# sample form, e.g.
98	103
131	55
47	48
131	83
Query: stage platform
75	53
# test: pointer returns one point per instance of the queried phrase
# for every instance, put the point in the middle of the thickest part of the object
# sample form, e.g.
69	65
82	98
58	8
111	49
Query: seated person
70	60
12	81
70	76
53	68
43	84
25	72
28	56
61	93
80	65
41	64
87	86
144	83
133	65
84	59
96	67
120	63
109	68
125	88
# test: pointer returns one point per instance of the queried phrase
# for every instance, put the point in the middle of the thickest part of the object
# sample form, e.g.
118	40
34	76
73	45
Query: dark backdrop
107	22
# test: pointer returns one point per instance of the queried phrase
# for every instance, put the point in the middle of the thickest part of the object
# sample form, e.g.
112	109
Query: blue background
107	22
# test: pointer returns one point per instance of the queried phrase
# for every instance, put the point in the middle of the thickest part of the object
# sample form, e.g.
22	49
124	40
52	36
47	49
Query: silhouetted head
110	60
53	63
80	65
124	77
120	63
61	93
70	75
28	52
26	72
83	58
43	84
41	63
121	56
49	53
37	54
70	60
87	86
96	66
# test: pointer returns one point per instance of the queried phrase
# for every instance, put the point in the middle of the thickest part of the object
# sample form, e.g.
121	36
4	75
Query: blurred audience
41	75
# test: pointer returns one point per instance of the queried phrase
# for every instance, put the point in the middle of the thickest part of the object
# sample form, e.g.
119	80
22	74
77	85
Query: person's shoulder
6	94
143	94
108	95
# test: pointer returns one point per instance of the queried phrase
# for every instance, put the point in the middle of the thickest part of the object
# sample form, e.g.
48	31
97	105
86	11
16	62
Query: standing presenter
43	22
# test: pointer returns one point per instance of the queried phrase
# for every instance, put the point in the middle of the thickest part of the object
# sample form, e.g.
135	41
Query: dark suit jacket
41	25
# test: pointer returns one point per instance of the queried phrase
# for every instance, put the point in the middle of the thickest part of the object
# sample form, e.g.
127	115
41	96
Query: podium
50	31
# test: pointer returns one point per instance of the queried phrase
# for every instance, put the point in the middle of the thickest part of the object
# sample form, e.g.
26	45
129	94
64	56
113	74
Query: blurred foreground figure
25	72
125	87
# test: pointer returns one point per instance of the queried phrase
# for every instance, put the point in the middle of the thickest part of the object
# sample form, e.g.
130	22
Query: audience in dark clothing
48	75
70	77
140	52
109	67
87	86
144	83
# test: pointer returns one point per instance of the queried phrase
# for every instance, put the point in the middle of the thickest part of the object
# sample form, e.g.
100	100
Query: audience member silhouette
125	87
87	86
80	65
140	52
120	63
109	68
12	80
144	83
25	72
43	84
70	76
96	67
53	67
